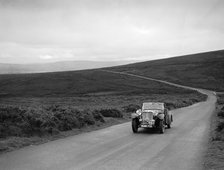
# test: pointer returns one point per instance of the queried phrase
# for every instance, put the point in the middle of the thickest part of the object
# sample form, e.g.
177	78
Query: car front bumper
148	124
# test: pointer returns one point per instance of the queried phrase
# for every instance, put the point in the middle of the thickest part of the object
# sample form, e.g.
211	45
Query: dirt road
116	147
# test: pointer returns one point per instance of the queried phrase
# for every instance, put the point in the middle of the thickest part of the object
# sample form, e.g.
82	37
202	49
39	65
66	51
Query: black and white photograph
111	85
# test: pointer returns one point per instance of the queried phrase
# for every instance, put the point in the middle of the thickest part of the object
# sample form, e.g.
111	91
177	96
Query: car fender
134	115
169	119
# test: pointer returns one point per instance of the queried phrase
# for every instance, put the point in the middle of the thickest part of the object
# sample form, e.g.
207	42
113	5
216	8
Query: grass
36	108
15	142
80	83
204	70
51	120
214	158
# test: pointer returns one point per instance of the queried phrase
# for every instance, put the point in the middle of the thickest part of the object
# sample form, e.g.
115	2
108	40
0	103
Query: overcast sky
54	30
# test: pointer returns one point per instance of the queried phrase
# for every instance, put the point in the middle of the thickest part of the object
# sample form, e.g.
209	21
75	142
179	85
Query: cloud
46	57
49	30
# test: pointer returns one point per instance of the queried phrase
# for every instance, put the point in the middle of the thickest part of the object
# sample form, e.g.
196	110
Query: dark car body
152	115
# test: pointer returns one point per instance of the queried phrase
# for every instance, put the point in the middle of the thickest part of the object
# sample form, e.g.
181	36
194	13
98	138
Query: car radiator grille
147	116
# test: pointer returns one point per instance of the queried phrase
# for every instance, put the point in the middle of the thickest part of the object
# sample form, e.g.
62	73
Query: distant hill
57	66
204	70
80	83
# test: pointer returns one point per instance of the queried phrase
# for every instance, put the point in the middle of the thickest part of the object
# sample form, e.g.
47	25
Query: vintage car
152	115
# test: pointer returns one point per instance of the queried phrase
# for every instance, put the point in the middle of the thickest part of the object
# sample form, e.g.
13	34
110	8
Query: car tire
161	127
169	126
134	125
171	120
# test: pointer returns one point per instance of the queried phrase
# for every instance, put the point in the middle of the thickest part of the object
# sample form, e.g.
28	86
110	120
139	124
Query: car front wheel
161	127
169	126
134	125
171	120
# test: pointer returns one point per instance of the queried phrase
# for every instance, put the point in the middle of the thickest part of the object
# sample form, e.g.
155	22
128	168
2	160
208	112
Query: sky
39	31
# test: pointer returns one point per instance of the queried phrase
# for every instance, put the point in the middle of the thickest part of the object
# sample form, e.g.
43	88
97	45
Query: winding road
116	147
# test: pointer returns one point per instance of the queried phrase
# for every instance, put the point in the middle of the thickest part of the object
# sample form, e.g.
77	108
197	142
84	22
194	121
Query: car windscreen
153	106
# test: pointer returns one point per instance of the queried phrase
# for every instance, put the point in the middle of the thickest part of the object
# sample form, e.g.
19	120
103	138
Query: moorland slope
203	70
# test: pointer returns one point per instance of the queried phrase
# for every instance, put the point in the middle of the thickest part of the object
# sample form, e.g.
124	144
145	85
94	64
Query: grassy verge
11	143
33	121
214	158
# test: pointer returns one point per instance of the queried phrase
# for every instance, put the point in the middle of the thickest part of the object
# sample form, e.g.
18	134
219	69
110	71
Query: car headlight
155	113
138	111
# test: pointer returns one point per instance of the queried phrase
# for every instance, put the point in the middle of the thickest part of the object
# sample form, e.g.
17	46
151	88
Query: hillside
79	83
203	70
